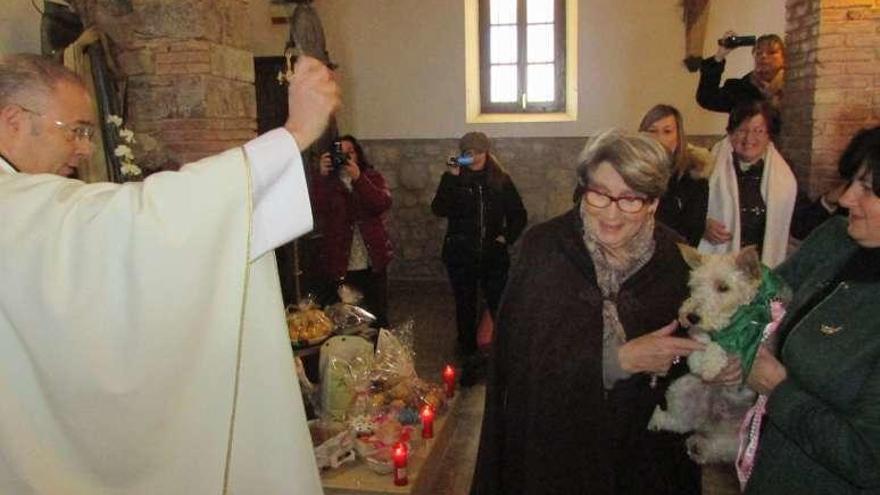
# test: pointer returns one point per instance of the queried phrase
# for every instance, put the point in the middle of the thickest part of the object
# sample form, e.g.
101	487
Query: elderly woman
763	83
683	207
585	345
753	194
822	424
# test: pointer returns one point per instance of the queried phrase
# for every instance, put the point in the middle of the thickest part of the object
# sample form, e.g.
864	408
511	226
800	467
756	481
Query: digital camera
463	160
735	41
338	158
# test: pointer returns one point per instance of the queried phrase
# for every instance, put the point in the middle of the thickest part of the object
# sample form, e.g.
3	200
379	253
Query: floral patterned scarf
612	269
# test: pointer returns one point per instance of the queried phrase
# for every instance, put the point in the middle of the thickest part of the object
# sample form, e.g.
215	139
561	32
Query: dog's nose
693	318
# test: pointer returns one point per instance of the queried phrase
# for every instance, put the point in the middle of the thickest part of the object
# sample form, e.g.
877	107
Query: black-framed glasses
626	204
79	132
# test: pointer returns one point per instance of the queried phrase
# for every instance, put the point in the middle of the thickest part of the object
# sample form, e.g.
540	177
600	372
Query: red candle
399	455
427	415
449	380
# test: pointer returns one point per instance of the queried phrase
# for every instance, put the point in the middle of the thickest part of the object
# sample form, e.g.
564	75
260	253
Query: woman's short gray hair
642	162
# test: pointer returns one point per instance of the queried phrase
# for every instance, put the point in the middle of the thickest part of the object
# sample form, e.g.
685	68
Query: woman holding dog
585	347
822	426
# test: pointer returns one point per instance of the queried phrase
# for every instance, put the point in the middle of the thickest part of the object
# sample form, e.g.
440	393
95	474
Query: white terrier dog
720	285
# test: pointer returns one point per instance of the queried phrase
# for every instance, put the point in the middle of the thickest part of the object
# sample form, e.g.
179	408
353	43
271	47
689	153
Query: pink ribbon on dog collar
750	429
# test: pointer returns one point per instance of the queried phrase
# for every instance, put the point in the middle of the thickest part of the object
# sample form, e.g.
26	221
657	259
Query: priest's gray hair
29	80
642	162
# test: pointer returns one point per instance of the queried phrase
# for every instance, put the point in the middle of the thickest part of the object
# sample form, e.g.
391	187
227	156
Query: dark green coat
822	430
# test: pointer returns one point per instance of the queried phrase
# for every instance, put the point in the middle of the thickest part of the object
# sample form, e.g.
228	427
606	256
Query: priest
143	346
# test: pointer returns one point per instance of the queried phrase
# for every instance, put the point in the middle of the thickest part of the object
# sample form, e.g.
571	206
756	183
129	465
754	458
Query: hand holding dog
767	372
656	351
716	232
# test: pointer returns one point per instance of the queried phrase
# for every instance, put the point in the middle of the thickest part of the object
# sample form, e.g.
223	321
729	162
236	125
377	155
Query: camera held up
338	157
463	160
737	41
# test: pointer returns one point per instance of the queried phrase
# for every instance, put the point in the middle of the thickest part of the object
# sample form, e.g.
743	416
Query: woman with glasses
586	341
753	194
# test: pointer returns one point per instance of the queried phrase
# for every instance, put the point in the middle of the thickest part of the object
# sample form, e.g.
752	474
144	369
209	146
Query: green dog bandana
744	333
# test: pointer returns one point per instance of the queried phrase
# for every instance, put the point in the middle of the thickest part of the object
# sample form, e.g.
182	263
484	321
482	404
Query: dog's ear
749	262
691	256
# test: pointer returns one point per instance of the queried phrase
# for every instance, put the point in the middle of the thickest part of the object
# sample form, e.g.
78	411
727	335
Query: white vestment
143	344
778	189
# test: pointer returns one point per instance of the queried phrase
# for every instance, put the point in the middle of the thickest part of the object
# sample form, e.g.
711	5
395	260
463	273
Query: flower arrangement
123	151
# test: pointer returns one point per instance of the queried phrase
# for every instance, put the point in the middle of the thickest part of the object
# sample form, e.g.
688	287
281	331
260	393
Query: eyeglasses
80	132
759	132
626	204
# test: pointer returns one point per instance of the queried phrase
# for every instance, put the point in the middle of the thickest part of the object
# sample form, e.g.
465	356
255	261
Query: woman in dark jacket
578	363
764	83
351	204
821	432
683	206
485	215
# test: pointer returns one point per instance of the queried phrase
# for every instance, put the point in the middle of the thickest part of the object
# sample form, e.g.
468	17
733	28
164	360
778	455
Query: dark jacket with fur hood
684	205
549	425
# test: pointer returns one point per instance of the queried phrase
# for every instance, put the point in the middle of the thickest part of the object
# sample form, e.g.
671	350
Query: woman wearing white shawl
739	215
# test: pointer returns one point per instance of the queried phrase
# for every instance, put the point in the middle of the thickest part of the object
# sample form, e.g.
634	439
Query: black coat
712	96
477	215
549	425
683	207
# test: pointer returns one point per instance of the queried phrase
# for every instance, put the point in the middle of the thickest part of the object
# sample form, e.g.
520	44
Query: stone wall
543	170
186	69
832	86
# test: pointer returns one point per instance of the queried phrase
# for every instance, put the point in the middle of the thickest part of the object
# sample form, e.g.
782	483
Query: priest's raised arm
143	346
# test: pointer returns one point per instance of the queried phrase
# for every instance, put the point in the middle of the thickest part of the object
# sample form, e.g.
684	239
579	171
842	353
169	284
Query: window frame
521	106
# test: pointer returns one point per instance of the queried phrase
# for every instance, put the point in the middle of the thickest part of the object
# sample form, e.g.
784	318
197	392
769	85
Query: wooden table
356	478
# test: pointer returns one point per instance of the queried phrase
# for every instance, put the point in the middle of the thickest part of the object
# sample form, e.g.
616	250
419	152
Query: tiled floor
431	308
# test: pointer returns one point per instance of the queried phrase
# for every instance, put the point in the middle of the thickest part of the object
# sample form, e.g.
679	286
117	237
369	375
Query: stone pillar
832	86
188	72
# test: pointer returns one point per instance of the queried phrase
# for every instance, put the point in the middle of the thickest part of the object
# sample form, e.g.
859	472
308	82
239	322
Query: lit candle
427	415
449	380
399	455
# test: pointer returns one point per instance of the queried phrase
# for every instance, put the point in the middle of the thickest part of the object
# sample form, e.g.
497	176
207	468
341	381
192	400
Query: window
522	56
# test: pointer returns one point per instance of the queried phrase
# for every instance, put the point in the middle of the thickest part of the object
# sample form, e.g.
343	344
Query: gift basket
372	396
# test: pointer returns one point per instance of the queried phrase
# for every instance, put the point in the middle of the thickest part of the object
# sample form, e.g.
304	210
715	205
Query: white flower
127	135
129	169
115	120
124	152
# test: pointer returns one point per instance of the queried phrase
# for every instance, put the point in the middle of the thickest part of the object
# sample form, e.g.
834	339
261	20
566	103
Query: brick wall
832	86
188	73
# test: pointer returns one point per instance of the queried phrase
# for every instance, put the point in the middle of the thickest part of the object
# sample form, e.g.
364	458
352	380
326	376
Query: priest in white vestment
143	346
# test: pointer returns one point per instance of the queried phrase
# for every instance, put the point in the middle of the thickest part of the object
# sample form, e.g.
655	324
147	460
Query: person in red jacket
351	204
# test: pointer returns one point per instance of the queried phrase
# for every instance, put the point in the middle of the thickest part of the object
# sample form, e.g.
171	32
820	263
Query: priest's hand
312	97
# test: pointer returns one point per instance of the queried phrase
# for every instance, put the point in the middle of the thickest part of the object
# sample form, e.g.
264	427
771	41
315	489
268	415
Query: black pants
468	279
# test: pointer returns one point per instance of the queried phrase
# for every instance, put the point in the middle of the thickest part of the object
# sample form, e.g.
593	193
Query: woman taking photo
683	207
485	216
822	427
585	345
351	203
